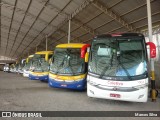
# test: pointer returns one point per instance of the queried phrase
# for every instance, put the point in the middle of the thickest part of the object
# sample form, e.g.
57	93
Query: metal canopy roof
25	23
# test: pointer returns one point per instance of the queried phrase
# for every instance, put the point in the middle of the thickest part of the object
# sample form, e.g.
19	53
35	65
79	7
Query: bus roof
70	45
119	35
44	52
30	56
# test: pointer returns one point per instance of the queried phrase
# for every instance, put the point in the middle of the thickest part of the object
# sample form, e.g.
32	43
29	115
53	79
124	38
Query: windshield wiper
104	71
60	65
125	70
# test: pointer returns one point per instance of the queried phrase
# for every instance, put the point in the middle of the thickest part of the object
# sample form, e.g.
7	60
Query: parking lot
21	94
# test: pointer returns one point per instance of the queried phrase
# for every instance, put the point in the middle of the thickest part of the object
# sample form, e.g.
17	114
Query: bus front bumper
25	73
140	95
38	77
76	85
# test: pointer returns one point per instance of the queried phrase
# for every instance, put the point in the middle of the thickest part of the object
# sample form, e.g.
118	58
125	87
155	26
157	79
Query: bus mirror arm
84	49
152	49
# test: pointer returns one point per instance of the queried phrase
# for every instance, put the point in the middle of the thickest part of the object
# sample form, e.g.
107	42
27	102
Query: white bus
118	67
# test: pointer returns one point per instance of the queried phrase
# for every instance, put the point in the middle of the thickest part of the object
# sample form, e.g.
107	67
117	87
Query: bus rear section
118	67
69	66
40	66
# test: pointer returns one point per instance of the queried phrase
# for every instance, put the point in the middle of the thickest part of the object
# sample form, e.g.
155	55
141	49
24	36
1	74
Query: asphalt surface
21	94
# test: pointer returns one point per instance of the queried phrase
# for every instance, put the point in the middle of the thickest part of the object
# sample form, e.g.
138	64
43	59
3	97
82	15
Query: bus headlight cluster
92	83
58	80
77	80
141	86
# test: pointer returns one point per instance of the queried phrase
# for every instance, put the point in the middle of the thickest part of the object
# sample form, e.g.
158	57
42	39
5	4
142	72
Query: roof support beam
20	25
59	12
71	16
22	11
93	31
140	27
122	26
14	30
80	8
64	35
80	24
113	15
96	17
25	25
135	22
32	25
85	27
10	25
138	7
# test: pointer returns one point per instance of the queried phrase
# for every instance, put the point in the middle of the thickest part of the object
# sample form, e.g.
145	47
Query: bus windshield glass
27	65
67	61
118	57
39	64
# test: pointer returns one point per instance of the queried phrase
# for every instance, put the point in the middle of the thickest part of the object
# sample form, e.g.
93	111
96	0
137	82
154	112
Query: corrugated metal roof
25	23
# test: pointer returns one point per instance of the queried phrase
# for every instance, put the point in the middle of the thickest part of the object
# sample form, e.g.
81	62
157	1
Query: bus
117	67
12	66
68	68
6	68
27	65
21	65
40	66
16	67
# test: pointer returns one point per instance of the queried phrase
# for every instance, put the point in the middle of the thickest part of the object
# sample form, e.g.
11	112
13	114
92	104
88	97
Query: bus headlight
79	80
69	80
92	83
74	80
59	80
140	86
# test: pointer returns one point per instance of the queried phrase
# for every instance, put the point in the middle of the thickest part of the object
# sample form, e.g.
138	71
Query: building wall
1	67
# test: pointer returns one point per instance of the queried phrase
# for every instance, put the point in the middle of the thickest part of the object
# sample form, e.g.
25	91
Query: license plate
115	95
63	85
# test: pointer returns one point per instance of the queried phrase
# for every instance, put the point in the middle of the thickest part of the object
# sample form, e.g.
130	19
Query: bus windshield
67	61
39	64
118	57
28	64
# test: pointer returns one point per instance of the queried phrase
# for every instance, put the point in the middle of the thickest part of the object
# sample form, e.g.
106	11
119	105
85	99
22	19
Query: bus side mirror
84	50
86	57
87	54
152	49
50	60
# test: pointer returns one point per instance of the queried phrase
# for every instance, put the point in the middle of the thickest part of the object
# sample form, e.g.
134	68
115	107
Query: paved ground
20	94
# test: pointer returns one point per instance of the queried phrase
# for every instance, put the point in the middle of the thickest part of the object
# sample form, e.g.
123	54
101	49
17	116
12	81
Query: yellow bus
40	66
27	65
69	66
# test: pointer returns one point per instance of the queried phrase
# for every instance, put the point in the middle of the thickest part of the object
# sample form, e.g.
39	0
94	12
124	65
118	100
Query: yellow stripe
44	52
70	45
153	94
153	75
53	76
39	73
